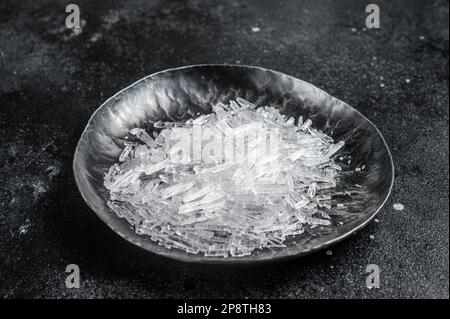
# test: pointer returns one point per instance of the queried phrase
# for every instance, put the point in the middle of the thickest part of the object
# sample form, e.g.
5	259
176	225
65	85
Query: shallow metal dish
185	92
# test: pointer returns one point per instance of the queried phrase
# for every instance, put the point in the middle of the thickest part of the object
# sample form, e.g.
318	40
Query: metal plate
185	92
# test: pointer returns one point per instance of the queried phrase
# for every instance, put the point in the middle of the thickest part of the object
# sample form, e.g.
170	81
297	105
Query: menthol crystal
239	179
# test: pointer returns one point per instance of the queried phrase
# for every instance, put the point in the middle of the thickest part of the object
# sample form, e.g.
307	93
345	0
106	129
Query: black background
52	79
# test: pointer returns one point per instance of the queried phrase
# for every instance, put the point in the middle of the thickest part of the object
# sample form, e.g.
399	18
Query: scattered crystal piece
143	136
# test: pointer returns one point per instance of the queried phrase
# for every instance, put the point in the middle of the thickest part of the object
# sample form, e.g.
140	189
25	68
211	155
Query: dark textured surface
52	80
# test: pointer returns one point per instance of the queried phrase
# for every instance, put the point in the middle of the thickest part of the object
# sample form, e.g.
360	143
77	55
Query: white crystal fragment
143	136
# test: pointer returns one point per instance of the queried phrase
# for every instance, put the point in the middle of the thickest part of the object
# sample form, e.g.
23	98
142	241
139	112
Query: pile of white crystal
227	183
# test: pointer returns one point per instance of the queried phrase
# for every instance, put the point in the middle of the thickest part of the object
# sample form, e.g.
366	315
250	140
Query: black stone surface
52	79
